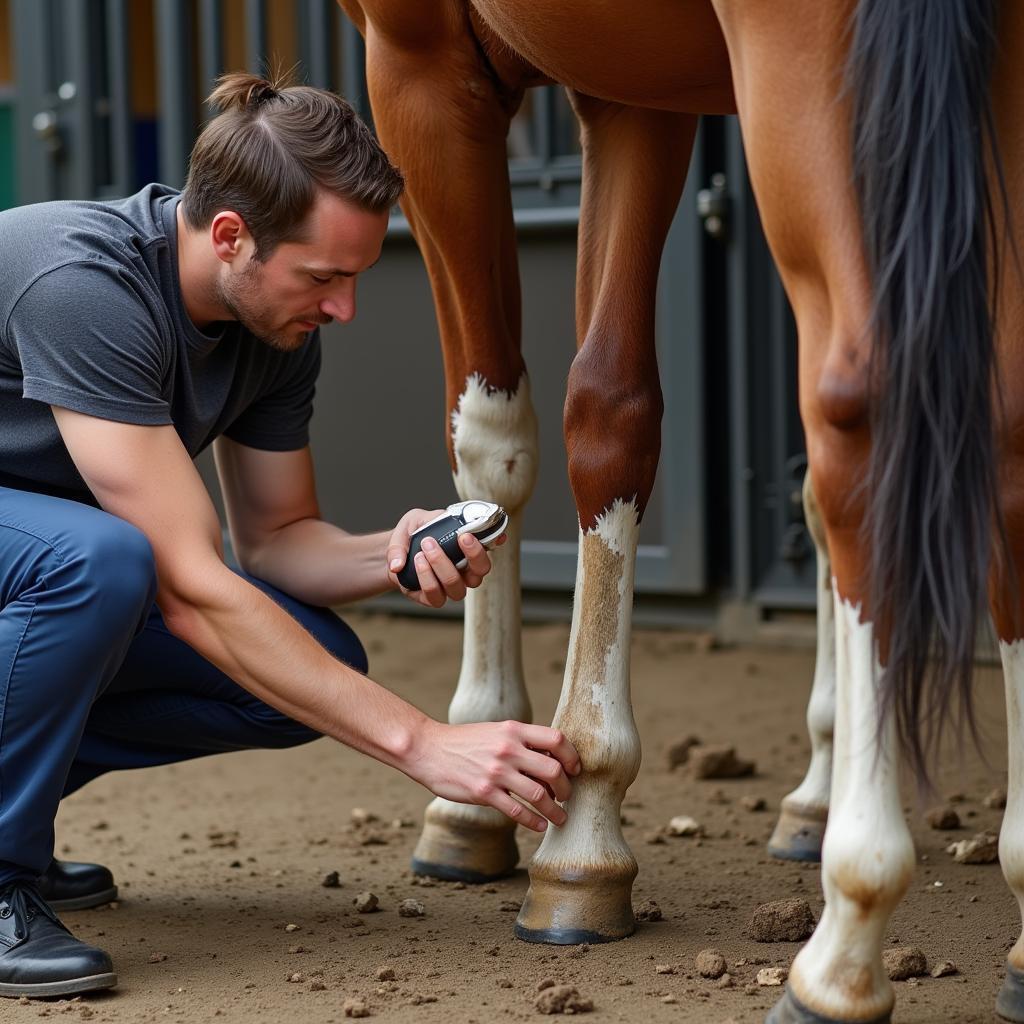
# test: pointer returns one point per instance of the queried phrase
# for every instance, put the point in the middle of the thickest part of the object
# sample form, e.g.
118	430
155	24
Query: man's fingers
477	558
397	556
518	812
548	771
430	588
538	797
446	573
554	741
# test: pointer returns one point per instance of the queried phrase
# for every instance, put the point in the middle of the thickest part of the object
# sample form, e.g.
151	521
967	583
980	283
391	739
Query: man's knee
114	560
340	639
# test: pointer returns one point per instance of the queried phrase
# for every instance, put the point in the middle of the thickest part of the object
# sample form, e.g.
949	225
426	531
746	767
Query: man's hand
505	765
439	579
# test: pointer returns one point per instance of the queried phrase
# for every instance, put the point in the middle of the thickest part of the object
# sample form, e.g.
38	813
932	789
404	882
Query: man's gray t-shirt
92	319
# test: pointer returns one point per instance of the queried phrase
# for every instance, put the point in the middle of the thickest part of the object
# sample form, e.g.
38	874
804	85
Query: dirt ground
220	864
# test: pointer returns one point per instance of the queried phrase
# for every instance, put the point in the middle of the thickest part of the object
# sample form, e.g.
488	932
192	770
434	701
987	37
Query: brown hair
269	150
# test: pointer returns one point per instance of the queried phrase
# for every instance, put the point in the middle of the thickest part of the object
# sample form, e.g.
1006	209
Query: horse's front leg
634	166
801	826
442	113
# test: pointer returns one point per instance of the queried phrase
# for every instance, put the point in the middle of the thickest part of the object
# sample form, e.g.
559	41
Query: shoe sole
92	899
59	988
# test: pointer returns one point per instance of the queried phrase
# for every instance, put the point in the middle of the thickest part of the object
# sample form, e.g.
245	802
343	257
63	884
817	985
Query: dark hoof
461	850
798	835
565	936
1010	1001
570	908
449	873
789	1010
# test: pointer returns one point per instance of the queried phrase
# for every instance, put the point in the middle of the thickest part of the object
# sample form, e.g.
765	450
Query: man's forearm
245	634
321	564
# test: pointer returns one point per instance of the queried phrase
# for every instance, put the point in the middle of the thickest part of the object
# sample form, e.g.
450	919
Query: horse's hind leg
1008	590
634	166
787	67
801	826
443	116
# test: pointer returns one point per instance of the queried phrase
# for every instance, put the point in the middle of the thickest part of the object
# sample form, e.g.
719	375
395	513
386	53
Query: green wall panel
6	155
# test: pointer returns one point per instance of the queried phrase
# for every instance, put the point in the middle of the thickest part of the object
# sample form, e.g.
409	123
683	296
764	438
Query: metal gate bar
175	88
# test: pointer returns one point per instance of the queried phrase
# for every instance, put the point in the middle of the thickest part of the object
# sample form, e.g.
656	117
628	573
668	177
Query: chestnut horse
872	130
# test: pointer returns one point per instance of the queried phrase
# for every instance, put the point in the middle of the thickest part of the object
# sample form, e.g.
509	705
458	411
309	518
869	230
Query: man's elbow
187	602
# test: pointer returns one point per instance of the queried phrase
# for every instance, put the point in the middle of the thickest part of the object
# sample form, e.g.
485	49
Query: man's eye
320	280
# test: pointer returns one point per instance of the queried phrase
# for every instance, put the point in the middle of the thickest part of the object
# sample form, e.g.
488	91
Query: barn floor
215	858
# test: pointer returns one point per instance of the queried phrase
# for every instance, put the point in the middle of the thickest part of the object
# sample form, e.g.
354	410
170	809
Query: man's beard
241	297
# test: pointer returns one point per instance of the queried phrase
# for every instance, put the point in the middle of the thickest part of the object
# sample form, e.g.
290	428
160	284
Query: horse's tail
919	78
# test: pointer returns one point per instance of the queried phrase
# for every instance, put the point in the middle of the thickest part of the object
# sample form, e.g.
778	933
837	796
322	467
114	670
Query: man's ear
229	236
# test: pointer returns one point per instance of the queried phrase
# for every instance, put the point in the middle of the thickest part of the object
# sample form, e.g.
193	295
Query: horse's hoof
789	1010
1010	1001
569	910
464	849
798	834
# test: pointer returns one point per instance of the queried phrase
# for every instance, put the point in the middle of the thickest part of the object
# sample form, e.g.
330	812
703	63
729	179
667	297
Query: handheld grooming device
485	520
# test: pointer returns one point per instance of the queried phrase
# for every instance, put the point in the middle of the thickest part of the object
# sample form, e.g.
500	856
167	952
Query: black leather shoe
67	885
39	956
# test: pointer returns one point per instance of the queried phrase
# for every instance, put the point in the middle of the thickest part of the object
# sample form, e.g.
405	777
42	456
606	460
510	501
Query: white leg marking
811	796
594	709
495	443
868	856
1011	835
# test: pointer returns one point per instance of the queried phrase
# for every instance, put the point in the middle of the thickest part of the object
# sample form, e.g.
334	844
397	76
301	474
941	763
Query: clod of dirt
291	927
361	816
772	976
562	999
365	902
511	906
711	963
504	982
316	985
157	958
411	908
943	818
905	962
654	838
385	973
545	983
753	803
85	1012
355	1008
981	849
297	978
725	981
647	911
996	799
664	969
718	763
332	880
679	752
683	825
782	921
944	969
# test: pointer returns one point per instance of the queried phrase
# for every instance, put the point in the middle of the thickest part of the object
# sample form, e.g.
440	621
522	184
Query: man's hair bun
241	90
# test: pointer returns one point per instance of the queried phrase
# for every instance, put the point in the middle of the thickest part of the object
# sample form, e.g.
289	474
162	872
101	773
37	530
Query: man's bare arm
143	475
278	535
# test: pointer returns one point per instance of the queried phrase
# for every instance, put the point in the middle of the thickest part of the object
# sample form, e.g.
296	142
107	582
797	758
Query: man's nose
340	305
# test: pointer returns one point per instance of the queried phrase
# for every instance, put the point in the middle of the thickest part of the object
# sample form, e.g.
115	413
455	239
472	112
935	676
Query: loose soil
217	858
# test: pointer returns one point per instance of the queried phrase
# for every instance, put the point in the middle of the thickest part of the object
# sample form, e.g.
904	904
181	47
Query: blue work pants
91	680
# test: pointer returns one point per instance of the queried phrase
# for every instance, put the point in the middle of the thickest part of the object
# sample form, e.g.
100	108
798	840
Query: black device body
485	520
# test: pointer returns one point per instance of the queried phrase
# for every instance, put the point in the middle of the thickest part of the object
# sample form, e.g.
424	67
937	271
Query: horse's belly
668	54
